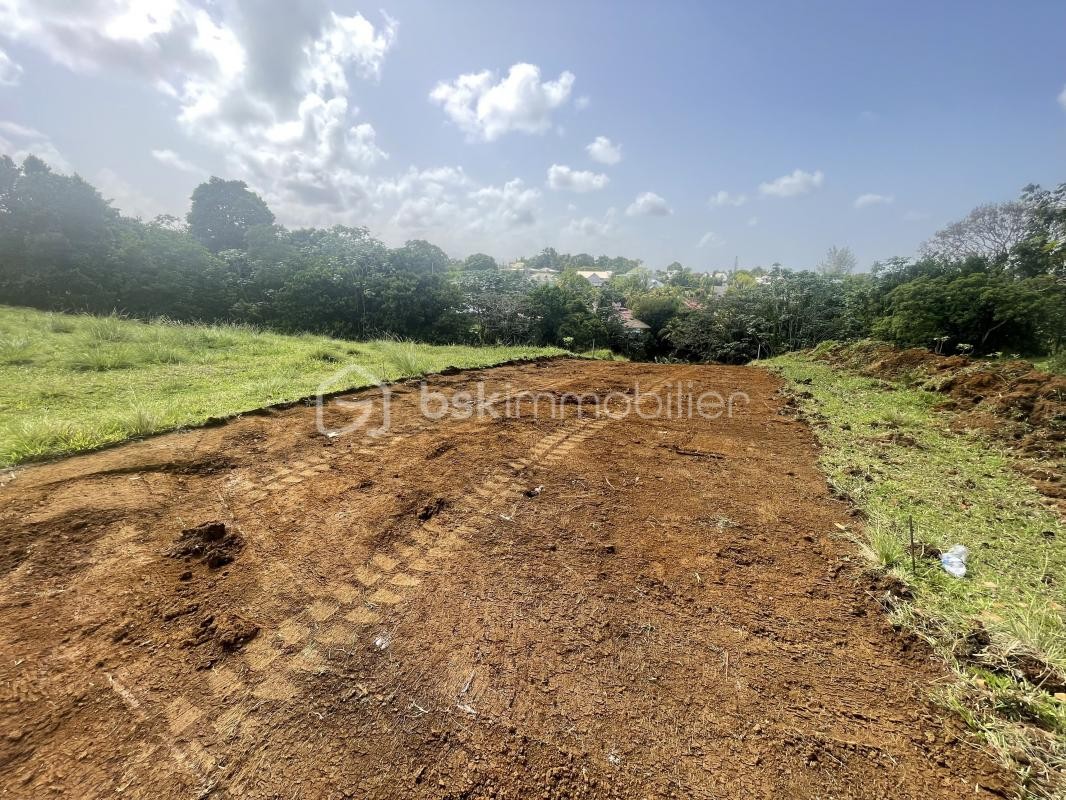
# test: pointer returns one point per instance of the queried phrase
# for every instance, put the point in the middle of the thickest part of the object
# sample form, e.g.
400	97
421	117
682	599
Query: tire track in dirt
665	619
346	614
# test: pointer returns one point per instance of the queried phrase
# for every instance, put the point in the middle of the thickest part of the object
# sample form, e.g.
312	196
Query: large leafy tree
1042	251
419	255
56	237
479	262
990	231
988	310
223	212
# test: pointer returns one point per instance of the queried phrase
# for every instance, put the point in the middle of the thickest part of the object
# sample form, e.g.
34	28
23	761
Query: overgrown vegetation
70	383
993	282
1002	625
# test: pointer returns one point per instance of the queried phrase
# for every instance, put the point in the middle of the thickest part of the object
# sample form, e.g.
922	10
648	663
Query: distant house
718	291
629	322
595	277
545	275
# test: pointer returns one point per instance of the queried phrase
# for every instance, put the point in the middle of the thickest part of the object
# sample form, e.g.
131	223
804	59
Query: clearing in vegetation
901	452
554	607
70	383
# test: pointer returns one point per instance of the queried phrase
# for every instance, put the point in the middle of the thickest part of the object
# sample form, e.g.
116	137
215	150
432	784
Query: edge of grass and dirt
74	383
888	450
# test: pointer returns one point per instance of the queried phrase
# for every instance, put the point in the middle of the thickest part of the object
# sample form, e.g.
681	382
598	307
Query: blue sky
736	130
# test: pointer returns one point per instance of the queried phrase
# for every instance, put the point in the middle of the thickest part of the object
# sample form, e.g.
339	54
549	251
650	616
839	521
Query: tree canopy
994	282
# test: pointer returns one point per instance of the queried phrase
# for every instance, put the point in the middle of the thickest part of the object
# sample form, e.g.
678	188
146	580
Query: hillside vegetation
76	382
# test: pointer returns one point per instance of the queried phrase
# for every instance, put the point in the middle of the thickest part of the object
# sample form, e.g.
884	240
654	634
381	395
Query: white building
595	277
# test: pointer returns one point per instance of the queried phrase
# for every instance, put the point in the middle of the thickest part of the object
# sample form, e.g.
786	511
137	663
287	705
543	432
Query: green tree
656	309
838	261
419	255
479	261
223	211
56	236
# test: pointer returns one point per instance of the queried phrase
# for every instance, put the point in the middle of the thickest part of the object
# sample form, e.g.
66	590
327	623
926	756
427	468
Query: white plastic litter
953	560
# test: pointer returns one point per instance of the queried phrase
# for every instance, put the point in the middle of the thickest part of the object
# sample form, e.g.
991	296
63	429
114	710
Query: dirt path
670	616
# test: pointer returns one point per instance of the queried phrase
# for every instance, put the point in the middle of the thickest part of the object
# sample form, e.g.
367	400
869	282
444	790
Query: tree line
993	282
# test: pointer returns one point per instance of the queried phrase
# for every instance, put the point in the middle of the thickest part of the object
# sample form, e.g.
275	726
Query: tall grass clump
61	323
42	437
16	350
108	329
101	358
405	356
142	423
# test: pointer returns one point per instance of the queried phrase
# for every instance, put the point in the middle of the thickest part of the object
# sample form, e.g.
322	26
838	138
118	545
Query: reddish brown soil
668	616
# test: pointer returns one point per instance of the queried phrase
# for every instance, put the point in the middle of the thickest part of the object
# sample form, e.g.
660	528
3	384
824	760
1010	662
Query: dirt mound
1010	400
209	543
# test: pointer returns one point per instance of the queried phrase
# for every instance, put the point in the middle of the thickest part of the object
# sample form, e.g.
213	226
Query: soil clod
210	543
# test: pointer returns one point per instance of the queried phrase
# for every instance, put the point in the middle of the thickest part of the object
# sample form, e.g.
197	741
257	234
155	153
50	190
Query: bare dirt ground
670	616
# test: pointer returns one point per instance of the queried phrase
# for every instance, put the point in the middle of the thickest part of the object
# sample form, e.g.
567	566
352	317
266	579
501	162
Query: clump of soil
970	646
1038	672
974	648
885	585
431	509
222	633
210	543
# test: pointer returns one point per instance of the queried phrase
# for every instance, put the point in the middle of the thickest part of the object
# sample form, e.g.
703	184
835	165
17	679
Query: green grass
1055	363
75	382
888	451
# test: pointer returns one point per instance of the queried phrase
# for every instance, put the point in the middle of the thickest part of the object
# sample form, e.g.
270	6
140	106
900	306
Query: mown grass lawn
75	382
890	452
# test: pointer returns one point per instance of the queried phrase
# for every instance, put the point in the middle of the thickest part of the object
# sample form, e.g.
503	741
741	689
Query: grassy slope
890	452
70	383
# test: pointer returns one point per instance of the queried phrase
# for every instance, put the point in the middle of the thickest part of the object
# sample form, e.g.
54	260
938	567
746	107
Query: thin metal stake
910	522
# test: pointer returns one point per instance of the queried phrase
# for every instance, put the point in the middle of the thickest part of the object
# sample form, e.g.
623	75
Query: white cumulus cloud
561	177
172	159
511	205
486	107
871	199
724	198
273	89
604	150
711	239
799	182
124	196
1062	97
18	141
649	204
267	85
10	72
592	228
